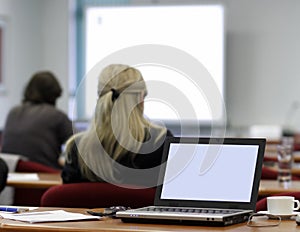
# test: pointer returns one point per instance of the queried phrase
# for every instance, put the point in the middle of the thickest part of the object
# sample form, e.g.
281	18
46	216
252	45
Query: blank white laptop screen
211	172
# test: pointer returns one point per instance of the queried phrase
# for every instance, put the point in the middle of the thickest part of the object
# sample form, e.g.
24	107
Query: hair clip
115	94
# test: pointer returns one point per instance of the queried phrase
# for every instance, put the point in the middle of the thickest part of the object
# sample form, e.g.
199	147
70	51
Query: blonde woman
121	146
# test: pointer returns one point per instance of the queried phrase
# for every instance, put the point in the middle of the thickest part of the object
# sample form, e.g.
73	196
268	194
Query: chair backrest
28	196
96	195
30	166
271	174
268	173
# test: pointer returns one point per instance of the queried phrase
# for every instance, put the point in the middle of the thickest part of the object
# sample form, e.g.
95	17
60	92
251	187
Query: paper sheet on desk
23	176
48	216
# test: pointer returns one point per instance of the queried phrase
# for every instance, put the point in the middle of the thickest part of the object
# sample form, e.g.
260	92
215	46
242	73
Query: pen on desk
13	210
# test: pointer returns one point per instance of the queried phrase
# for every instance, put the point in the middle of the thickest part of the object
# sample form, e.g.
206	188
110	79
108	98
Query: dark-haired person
36	128
3	174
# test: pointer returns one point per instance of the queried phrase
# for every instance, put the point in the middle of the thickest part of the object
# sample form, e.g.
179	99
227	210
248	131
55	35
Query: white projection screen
198	30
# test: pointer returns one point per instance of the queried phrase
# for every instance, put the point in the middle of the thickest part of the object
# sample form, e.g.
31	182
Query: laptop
205	181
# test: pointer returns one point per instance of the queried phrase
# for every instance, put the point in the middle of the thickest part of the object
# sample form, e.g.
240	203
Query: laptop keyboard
189	210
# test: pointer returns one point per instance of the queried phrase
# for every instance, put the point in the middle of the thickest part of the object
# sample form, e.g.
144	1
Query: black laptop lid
211	172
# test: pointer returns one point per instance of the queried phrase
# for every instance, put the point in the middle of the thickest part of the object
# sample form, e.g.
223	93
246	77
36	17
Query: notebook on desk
211	181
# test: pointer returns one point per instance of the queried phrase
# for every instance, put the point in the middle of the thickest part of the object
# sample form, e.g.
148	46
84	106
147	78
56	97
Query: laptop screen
211	170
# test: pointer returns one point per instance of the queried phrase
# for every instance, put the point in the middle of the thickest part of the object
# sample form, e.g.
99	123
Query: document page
22	176
48	216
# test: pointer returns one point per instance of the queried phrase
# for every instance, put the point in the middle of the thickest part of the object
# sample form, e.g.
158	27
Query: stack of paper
48	216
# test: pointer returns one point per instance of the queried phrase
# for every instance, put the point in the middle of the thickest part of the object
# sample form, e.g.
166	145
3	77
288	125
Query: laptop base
228	221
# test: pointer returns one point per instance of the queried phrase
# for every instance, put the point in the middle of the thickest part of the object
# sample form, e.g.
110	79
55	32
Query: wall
262	54
36	39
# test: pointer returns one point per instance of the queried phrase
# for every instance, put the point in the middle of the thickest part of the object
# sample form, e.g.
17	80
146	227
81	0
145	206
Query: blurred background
261	57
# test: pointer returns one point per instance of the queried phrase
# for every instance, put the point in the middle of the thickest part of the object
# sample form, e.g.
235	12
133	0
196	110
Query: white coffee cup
282	205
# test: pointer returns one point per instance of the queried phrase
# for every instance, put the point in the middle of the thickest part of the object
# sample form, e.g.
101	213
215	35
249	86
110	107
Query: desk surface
45	180
271	153
268	187
117	225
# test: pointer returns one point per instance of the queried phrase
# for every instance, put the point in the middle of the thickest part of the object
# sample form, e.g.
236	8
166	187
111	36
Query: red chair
27	196
268	174
261	205
30	166
96	195
270	159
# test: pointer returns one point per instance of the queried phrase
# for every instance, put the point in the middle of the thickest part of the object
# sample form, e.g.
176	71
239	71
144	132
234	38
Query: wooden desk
116	225
46	180
295	169
268	187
